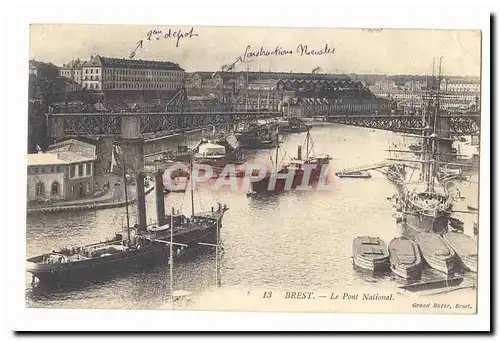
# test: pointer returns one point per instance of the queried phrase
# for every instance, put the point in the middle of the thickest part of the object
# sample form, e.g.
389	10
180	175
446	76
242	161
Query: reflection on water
297	239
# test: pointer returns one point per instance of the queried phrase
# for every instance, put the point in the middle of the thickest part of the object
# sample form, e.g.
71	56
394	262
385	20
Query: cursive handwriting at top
303	50
177	34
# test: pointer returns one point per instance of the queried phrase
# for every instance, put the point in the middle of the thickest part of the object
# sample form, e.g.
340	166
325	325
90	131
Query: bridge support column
56	127
443	146
132	143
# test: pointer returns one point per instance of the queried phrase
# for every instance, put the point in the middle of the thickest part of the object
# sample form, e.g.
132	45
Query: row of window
81	170
78	170
142	79
55	189
168	86
136	79
134	72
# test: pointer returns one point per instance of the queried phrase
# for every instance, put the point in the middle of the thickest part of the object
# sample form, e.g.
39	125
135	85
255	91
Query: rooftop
131	63
61	158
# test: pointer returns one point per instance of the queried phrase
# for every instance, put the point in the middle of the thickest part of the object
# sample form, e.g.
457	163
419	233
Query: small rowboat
405	258
355	175
436	252
465	247
471	208
370	253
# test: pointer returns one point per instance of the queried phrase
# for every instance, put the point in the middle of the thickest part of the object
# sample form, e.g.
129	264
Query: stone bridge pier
132	143
444	147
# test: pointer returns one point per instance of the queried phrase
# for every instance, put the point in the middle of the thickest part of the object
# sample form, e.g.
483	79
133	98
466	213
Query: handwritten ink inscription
178	35
302	50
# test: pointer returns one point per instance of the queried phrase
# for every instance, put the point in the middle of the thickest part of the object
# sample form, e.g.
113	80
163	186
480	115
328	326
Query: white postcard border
418	15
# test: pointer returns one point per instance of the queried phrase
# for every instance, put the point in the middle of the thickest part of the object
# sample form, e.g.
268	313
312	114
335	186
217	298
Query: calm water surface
295	240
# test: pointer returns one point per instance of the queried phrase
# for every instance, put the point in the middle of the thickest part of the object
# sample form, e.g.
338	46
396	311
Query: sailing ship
427	205
295	165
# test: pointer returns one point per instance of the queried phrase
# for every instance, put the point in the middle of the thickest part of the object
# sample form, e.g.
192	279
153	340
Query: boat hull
104	267
465	248
437	254
405	258
253	141
96	268
370	253
262	186
425	223
380	265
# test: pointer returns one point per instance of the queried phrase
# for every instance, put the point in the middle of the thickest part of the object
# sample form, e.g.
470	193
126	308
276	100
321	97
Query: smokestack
160	200
141	201
299	152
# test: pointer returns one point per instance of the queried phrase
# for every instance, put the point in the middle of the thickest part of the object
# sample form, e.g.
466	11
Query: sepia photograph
253	169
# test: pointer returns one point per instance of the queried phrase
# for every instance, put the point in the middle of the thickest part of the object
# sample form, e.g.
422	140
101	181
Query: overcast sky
358	51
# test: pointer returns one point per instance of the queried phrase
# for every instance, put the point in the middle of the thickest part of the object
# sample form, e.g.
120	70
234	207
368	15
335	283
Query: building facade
72	70
64	172
112	74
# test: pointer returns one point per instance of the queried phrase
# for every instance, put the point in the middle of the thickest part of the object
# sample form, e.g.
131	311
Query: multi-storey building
460	85
108	75
72	70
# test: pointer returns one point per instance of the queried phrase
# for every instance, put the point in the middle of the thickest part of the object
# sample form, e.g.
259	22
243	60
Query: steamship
140	246
296	166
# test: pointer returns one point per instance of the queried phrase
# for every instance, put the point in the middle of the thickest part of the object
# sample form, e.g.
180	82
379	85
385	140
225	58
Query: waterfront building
64	172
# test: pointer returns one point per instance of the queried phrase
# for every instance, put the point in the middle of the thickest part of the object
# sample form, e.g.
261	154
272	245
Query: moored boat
405	258
296	166
354	175
256	135
138	247
370	253
465	248
95	260
436	252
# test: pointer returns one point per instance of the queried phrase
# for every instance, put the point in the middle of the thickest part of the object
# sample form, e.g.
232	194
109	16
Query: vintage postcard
253	169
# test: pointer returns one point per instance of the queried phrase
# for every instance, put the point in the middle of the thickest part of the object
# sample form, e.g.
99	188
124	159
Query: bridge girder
94	125
459	125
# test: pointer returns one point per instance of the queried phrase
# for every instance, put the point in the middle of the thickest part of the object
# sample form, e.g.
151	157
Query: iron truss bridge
110	124
459	124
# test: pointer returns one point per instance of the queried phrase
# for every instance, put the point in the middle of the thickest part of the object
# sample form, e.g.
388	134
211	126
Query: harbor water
294	240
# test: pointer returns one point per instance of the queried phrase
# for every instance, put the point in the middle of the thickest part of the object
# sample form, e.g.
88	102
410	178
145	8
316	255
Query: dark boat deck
370	247
404	252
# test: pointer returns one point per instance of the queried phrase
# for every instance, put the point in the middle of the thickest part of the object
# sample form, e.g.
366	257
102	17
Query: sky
388	51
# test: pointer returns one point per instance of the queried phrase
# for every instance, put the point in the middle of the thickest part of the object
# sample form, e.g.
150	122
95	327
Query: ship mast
307	144
192	186
277	148
433	168
126	195
171	260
